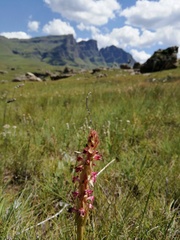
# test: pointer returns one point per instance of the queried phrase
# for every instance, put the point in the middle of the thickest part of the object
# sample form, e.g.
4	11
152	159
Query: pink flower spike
81	212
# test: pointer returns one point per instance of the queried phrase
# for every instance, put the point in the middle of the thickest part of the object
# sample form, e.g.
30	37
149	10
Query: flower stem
80	227
80	232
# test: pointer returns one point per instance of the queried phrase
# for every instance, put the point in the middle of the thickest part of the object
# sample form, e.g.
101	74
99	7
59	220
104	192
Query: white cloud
178	55
169	35
120	37
140	56
91	12
33	26
124	37
58	27
82	39
92	29
129	37
152	14
20	35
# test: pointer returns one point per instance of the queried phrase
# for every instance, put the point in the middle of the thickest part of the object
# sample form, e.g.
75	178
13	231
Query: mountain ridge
63	50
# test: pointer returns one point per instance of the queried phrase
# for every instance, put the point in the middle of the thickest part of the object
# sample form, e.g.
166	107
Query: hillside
60	51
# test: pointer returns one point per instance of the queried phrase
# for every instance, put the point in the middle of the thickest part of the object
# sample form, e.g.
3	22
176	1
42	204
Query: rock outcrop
161	60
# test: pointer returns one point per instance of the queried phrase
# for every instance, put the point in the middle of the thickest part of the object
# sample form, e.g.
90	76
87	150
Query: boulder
61	76
67	70
31	77
100	75
27	77
18	79
42	75
3	72
95	70
125	66
161	60
136	66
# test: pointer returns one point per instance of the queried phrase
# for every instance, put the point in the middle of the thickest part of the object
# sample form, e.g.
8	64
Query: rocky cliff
64	50
113	55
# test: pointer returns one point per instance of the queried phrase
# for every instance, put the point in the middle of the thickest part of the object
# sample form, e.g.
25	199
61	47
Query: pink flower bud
94	176
81	212
72	210
90	206
79	158
91	198
75	194
79	168
88	192
97	156
75	179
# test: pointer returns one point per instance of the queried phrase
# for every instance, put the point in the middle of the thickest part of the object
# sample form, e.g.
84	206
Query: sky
139	27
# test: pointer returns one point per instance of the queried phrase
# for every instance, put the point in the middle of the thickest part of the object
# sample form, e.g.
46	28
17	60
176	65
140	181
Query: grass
137	119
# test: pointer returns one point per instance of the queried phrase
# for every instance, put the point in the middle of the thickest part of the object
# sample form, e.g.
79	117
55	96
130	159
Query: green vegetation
138	122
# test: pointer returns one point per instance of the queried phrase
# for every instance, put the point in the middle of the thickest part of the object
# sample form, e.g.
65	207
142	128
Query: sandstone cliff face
64	50
114	55
88	50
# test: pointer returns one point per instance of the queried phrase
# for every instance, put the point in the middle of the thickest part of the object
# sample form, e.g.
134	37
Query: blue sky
139	27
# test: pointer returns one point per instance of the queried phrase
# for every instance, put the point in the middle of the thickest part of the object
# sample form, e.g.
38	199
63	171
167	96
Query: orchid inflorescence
84	179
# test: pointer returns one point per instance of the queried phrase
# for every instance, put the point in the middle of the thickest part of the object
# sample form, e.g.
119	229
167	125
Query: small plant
84	179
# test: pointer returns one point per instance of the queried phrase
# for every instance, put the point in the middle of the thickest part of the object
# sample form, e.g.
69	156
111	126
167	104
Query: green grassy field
138	122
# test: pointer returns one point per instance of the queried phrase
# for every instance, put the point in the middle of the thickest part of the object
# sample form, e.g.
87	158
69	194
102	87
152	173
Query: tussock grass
137	197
